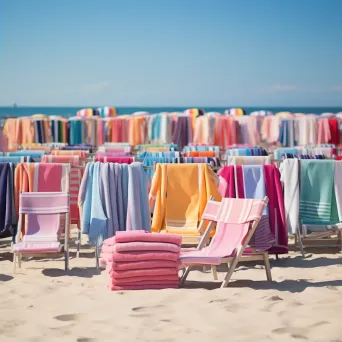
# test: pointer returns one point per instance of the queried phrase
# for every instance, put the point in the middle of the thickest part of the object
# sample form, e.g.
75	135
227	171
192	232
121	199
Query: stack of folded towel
139	260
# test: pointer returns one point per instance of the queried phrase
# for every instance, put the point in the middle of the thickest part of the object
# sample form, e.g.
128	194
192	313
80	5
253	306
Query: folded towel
140	256
137	265
157	272
146	280
139	236
142	287
147	246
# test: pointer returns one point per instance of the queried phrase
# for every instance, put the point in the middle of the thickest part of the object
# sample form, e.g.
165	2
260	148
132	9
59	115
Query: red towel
334	131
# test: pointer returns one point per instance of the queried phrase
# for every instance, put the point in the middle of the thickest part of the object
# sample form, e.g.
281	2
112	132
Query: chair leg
185	275
300	243
230	272
97	257
14	262
20	256
214	271
267	267
78	244
66	260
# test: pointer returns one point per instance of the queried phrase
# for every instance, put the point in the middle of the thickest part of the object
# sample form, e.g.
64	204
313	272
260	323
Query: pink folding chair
236	221
43	211
76	173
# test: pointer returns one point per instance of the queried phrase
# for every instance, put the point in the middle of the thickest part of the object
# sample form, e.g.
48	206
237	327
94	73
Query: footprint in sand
146	311
298	336
333	288
284	330
68	317
275	298
218	301
280	331
85	339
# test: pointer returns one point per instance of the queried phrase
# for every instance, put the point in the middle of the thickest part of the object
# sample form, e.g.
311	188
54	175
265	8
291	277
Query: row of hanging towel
183	130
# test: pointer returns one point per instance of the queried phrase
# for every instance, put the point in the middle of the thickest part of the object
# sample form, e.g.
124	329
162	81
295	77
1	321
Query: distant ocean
71	111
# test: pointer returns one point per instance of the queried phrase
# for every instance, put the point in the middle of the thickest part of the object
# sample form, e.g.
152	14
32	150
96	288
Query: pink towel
111	241
153	280
138	236
142	287
120	160
49	176
156	264
73	160
140	256
146	246
143	272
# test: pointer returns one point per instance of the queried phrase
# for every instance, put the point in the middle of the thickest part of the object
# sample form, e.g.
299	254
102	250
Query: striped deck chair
236	221
43	211
76	174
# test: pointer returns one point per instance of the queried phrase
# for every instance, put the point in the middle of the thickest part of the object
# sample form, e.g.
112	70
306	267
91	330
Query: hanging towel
138	213
276	209
289	170
338	188
7	213
254	182
182	202
188	188
98	219
317	195
248	160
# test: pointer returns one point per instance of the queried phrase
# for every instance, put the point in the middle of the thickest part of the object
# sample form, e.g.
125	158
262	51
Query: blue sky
171	52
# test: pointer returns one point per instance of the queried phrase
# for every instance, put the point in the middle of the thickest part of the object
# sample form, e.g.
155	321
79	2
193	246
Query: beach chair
42	211
236	221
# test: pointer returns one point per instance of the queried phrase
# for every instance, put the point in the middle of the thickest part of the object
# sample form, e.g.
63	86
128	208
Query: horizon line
171	106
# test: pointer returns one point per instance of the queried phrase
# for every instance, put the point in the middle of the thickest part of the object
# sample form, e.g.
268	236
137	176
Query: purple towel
7	214
180	135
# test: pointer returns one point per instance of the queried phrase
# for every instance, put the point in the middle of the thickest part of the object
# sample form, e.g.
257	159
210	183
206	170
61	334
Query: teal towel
317	196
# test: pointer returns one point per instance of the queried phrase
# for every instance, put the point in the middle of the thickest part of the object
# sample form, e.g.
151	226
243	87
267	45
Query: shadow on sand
87	272
293	286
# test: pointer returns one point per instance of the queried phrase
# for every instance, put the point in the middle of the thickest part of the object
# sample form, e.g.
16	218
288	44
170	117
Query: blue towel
14	159
254	182
138	211
124	185
98	219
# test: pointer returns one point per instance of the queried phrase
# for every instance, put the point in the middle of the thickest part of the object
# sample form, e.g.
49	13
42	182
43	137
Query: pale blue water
71	111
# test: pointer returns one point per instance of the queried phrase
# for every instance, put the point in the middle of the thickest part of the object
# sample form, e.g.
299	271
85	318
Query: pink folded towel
142	287
143	272
111	241
139	236
137	265
147	246
153	280
142	256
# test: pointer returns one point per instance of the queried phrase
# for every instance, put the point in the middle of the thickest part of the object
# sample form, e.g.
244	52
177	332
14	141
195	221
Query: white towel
289	169
248	160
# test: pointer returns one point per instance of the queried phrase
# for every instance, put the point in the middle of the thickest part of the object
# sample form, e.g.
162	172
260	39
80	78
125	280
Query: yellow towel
183	198
157	197
178	196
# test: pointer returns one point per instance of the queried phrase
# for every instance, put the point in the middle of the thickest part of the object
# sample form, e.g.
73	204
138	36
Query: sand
42	303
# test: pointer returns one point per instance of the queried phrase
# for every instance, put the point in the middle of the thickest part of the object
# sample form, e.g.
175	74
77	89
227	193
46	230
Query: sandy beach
42	303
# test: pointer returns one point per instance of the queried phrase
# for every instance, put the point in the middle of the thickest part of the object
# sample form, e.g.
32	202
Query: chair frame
233	261
17	256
